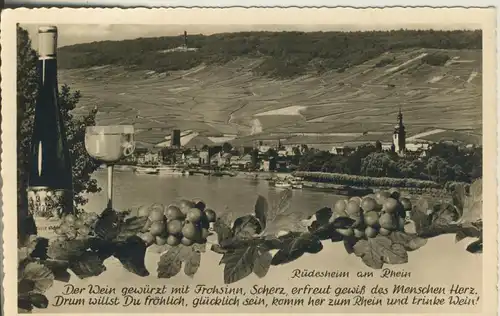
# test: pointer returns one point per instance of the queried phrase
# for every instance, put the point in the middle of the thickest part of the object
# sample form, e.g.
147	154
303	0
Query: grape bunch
380	213
76	227
187	223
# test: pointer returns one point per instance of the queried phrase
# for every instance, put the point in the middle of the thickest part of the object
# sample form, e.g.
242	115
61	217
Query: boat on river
296	183
146	170
172	171
297	186
338	189
282	184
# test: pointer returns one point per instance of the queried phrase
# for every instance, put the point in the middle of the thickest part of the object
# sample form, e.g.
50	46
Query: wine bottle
50	182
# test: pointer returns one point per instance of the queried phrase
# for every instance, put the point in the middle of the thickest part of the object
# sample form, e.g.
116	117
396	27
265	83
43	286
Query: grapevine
378	228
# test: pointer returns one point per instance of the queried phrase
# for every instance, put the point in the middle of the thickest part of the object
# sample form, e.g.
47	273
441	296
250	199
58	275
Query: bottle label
47	206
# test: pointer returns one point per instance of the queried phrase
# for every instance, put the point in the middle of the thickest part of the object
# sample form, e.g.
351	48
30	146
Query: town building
149	158
241	162
265	165
175	140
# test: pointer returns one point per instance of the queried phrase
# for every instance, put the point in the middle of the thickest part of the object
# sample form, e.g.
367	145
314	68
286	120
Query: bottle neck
47	70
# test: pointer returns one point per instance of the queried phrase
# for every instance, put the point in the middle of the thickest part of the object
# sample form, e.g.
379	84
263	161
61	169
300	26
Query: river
219	193
440	263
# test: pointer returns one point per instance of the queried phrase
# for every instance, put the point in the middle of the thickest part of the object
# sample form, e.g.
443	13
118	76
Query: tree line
285	54
444	162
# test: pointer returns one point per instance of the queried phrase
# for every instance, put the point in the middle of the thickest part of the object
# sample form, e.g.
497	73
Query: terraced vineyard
232	99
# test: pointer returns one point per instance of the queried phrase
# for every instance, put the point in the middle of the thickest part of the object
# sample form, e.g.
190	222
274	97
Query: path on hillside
428	133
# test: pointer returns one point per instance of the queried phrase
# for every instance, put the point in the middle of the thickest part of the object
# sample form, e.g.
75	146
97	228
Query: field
231	98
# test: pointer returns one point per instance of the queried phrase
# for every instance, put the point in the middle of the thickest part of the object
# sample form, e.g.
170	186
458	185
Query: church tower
185	45
399	136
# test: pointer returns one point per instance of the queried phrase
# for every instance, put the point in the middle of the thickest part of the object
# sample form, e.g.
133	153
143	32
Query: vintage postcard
249	161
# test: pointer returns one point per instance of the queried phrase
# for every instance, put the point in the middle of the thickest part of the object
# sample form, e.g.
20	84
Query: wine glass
109	144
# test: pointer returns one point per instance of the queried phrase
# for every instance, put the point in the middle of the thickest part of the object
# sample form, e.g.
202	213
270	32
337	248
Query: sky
70	34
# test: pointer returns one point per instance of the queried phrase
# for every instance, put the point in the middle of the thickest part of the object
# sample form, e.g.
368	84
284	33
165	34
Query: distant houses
281	152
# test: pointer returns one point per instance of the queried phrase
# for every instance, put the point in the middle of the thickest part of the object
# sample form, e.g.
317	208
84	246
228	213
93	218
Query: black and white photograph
208	167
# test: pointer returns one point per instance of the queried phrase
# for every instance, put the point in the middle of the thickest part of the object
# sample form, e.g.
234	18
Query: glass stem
110	187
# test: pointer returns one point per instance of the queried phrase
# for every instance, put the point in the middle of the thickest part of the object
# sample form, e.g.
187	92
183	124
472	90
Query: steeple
399	136
400	117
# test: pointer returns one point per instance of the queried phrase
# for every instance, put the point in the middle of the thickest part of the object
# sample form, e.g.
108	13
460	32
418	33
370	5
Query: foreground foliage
380	229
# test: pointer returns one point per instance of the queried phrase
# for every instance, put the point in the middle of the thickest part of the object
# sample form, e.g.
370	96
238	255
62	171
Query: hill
334	85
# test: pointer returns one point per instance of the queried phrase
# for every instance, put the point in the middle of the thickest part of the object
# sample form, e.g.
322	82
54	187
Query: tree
411	168
354	161
378	165
378	146
438	169
82	164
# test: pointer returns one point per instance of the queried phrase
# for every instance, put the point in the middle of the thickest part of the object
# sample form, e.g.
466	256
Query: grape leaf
40	275
379	250
169	265
460	236
38	300
67	249
171	262
131	227
328	230
473	211
40	250
291	222
349	243
33	247
475	246
476	190
222	230
225	257
192	263
89	264
396	254
103	248
239	264
23	254
262	264
420	215
24	304
281	219
108	225
218	249
445	214
236	243
458	197
131	254
261	209
59	268
226	217
25	286
247	225
471	220
440	220
468	230
409	242
295	245
323	215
